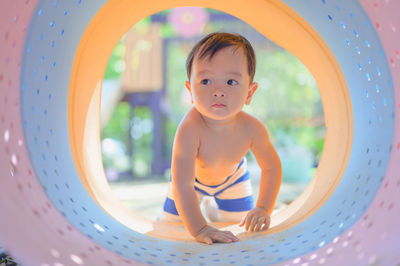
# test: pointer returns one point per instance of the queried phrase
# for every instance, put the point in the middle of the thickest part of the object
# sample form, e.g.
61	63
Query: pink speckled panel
32	230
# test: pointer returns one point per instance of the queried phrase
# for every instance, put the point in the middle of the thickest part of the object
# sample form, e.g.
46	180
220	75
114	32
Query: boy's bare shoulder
188	128
191	120
250	122
255	130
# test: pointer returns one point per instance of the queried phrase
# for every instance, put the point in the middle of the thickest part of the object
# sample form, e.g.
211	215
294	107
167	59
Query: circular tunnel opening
101	38
140	111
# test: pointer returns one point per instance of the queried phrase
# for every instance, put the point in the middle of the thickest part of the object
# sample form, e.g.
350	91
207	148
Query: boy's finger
247	222
267	224
231	236
264	227
222	238
207	240
258	225
242	221
259	222
253	223
262	223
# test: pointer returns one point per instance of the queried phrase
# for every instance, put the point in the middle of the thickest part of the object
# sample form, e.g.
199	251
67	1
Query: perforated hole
76	259
6	135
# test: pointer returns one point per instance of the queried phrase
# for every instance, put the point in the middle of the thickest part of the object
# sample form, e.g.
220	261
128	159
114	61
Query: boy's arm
271	177
184	153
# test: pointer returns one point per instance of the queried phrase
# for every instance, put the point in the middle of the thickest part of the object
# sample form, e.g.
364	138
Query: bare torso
221	148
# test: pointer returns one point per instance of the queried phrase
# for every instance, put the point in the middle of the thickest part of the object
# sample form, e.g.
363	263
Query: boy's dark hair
216	41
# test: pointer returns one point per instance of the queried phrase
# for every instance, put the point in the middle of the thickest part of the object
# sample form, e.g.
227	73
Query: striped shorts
234	196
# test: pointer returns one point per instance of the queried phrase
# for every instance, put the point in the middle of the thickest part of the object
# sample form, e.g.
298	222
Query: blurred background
144	99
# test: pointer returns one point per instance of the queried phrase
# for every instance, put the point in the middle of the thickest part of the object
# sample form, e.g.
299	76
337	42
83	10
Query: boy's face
221	86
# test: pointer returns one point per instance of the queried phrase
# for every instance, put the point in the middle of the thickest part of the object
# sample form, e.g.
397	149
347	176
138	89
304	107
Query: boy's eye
232	82
205	81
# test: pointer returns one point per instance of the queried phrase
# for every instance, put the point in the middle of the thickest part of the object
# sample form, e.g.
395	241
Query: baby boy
208	157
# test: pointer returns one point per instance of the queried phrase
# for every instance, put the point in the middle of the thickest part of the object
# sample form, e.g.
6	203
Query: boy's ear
188	87
252	89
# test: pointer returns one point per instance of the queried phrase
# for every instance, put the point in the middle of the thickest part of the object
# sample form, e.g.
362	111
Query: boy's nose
219	93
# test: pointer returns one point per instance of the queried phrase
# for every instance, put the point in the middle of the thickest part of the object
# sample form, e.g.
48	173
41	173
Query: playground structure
53	55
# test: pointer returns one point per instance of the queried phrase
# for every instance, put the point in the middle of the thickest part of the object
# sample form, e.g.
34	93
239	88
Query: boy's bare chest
219	154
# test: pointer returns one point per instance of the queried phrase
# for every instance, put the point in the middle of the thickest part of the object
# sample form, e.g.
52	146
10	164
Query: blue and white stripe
234	196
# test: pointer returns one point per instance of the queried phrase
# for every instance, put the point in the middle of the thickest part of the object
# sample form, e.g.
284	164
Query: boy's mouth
218	105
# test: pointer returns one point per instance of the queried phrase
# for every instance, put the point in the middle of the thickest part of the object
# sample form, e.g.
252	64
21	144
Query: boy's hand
209	235
256	220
